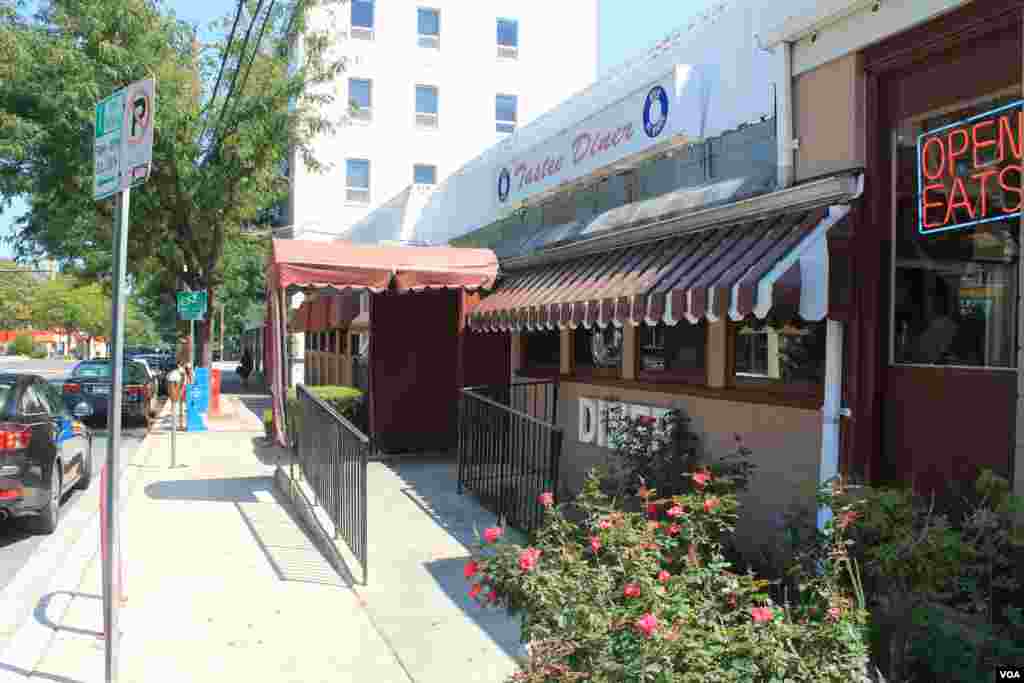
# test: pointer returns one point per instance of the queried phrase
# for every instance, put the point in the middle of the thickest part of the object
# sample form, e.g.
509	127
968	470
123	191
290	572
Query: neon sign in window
969	172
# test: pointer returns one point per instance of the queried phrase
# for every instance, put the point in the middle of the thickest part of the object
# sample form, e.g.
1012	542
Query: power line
224	61
256	49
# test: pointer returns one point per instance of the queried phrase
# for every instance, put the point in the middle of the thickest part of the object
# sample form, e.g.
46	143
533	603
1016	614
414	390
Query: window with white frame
424	174
357	181
428	27
506	109
360	98
508	38
362	19
426	106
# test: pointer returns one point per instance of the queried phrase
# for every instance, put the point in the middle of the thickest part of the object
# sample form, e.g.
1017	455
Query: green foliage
217	157
344	400
38	352
22	345
624	596
17	290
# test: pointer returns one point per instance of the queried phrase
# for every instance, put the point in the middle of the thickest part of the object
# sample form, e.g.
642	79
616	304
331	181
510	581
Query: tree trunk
204	333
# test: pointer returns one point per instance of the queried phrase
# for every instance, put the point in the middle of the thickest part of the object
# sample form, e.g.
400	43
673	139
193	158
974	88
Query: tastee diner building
797	222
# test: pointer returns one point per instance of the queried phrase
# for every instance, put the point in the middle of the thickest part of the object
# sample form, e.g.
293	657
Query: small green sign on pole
191	305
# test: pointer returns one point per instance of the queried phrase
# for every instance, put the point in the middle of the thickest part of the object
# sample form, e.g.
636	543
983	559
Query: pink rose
471	569
492	534
547	499
664	576
647	624
492	596
605	524
761	614
700	479
674	530
595	543
834	613
710	504
631	590
675	511
528	559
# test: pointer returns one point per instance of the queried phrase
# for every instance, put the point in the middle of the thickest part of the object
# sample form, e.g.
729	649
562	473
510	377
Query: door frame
868	337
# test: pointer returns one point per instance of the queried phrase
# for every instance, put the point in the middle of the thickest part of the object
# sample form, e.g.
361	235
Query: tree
17	289
64	304
219	143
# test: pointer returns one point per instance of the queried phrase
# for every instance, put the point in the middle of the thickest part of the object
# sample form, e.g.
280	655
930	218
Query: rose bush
648	596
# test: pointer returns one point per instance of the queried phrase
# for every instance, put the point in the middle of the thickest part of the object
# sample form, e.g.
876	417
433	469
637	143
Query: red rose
528	559
547	499
664	576
492	596
761	614
710	504
595	543
674	530
700	479
675	511
471	569
605	524
492	534
647	624
631	590
652	509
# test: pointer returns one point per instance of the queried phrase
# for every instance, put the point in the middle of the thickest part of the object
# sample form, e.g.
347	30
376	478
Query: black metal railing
332	455
507	458
536	398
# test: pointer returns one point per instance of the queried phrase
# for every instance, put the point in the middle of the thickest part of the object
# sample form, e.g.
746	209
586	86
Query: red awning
339	265
734	270
318	309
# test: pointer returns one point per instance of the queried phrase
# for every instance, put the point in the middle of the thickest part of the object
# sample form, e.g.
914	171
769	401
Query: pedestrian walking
185	365
245	367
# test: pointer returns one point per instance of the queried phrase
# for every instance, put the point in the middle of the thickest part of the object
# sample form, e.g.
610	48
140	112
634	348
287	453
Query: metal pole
113	555
174	432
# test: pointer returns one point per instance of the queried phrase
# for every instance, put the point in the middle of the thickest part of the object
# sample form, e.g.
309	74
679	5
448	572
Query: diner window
541	350
357	181
362	19
508	38
506	111
359	99
309	341
424	174
426	106
598	351
353	344
955	269
788	356
673	353
428	23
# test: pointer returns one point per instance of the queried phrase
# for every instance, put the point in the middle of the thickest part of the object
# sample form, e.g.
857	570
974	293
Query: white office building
429	86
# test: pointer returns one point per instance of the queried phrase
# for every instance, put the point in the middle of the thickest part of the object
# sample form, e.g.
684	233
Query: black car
89	383
44	451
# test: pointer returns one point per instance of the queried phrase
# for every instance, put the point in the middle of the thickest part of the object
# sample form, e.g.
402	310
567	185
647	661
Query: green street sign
191	305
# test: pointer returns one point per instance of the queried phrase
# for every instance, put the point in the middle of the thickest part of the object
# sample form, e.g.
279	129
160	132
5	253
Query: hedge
347	401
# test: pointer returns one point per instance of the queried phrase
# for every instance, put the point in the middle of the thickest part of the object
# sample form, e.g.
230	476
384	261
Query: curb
31	641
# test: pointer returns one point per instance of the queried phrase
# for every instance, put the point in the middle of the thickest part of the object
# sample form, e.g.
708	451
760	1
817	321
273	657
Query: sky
625	32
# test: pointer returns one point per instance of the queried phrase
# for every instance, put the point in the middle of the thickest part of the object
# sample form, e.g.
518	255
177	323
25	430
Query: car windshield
135	373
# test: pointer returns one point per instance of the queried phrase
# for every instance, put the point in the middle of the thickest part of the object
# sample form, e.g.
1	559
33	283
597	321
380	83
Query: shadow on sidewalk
274	527
36	675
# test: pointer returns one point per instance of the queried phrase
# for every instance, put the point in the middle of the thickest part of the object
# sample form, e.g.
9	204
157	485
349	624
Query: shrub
345	400
38	352
648	596
22	345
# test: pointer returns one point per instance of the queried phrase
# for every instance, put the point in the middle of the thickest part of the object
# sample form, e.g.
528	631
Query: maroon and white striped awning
735	270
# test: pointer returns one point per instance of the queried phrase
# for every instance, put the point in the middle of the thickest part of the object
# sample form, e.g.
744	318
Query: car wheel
86	478
46	523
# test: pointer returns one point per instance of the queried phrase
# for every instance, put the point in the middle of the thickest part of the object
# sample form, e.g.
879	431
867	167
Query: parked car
45	450
89	383
158	368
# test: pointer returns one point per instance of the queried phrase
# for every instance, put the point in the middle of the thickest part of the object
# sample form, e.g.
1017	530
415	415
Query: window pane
598	348
955	291
426	99
428	21
358	173
362	13
780	353
508	33
423	174
359	92
505	108
679	349
542	349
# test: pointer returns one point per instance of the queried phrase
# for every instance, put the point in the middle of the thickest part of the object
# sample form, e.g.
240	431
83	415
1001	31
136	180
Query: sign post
123	152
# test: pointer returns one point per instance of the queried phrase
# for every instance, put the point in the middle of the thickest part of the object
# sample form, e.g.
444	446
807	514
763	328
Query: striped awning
734	270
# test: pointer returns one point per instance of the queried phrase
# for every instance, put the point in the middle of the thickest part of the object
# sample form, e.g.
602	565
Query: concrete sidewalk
223	582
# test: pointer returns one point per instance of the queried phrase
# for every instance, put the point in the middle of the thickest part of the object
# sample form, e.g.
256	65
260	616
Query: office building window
508	38
362	19
357	181
506	107
428	22
424	174
360	99
426	106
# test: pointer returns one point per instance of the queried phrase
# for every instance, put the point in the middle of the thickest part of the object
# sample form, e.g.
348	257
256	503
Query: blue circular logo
504	184
655	111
